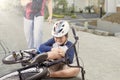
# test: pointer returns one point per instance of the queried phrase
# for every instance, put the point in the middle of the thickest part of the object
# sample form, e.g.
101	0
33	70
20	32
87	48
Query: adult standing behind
33	20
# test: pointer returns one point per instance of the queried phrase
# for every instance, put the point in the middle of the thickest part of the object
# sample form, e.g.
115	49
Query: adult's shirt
34	8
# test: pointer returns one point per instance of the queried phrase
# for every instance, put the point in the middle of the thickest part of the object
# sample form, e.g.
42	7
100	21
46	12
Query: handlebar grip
73	30
74	34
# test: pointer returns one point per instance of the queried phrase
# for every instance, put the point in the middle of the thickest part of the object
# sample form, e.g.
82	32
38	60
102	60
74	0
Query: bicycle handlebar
78	65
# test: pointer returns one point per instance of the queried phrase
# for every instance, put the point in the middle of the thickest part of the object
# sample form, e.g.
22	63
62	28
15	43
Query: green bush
73	16
58	15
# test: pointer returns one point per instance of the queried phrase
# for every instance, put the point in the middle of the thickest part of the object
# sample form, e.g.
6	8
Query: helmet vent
63	25
60	30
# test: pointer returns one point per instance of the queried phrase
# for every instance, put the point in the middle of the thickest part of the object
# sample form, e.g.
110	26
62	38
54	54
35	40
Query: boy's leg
38	25
28	30
67	72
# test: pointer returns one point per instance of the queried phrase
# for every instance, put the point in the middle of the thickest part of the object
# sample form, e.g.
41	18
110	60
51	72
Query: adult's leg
28	30
38	34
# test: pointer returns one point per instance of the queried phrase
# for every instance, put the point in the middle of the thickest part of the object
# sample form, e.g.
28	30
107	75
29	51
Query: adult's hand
49	19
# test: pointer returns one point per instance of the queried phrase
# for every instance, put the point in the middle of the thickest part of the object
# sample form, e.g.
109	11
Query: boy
55	48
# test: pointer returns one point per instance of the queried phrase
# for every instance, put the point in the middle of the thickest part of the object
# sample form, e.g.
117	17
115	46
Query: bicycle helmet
60	28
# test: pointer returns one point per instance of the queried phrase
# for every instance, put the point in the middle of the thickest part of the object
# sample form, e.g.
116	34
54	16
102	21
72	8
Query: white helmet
60	28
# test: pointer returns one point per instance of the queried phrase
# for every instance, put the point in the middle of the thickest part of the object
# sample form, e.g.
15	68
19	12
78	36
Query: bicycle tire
28	74
9	59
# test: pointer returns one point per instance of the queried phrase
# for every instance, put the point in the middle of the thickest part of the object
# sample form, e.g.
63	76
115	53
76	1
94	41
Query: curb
93	31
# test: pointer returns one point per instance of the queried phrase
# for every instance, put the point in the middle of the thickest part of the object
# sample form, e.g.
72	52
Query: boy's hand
58	51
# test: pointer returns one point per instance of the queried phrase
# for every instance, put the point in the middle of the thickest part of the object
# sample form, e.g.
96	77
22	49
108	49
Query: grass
58	16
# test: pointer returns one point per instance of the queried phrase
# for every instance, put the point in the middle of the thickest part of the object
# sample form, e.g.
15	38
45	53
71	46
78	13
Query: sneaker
39	58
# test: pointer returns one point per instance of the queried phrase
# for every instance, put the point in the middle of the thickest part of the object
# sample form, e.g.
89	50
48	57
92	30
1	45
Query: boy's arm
45	47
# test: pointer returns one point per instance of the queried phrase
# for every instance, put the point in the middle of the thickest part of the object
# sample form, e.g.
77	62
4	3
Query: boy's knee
76	72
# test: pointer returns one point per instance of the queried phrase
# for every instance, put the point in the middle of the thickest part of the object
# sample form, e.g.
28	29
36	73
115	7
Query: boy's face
60	40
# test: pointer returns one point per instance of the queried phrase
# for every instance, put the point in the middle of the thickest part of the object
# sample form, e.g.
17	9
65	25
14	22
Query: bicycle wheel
10	59
27	74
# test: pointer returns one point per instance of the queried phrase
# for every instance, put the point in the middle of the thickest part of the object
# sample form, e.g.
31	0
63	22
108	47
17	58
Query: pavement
100	54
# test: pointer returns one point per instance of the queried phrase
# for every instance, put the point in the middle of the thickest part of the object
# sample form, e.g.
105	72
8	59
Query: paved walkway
100	54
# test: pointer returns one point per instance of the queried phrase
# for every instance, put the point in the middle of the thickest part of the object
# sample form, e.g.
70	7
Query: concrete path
100	54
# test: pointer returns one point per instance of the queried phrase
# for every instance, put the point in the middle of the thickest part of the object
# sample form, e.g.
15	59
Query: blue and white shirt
47	46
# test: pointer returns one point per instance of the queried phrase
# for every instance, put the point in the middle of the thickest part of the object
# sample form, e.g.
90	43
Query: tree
63	3
60	5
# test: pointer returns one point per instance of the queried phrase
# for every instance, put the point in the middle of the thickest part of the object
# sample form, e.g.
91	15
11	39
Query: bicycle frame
65	59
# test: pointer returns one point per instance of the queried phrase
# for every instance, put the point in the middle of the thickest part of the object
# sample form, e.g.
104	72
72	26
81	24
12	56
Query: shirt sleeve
70	52
45	47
